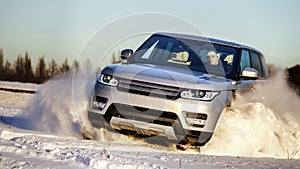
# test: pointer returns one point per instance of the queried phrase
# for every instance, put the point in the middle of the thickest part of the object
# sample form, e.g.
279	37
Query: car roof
206	39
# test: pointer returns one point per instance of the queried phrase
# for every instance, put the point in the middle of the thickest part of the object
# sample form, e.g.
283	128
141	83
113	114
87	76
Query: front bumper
127	111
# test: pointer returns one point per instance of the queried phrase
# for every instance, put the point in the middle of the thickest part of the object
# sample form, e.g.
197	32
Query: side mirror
126	53
250	73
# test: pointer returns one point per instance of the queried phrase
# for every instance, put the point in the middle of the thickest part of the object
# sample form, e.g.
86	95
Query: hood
166	75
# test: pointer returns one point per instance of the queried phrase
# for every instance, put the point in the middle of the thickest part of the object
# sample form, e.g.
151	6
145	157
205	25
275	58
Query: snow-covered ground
43	130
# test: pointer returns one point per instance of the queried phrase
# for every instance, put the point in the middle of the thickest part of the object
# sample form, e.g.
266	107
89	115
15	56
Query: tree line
22	70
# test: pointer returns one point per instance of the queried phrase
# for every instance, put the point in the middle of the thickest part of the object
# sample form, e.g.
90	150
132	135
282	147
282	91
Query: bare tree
75	65
40	70
65	66
1	65
28	68
8	73
19	69
52	69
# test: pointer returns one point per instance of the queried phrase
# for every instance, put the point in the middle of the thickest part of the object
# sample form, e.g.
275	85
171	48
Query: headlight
108	80
199	94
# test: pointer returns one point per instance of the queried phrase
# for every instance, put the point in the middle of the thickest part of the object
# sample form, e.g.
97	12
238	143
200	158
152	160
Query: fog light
195	119
98	102
196	115
198	122
98	105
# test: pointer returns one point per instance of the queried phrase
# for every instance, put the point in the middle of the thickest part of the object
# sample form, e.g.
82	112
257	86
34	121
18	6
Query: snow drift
52	110
264	122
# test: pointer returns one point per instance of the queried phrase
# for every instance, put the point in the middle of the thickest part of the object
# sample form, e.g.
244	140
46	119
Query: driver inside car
215	66
213	57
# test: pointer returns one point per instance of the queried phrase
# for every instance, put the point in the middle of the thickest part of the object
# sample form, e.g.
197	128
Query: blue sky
59	29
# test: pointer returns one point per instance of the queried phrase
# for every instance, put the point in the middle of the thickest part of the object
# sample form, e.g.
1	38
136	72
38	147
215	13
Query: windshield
186	53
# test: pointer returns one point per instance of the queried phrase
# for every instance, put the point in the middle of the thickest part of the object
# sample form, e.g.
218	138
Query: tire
198	138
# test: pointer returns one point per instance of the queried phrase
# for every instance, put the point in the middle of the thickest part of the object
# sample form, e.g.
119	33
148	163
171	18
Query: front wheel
197	138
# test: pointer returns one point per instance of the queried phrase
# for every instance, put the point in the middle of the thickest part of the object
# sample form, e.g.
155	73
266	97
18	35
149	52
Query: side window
264	66
245	60
255	62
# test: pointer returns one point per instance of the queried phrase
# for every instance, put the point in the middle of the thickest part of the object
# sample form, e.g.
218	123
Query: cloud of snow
53	108
60	108
265	122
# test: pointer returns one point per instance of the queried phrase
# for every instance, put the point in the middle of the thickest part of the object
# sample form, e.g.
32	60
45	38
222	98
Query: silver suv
170	87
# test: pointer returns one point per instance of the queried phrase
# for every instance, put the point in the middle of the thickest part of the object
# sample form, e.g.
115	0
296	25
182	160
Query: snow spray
262	123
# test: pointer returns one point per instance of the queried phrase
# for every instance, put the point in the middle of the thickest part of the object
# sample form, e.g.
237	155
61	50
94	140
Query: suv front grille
147	88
